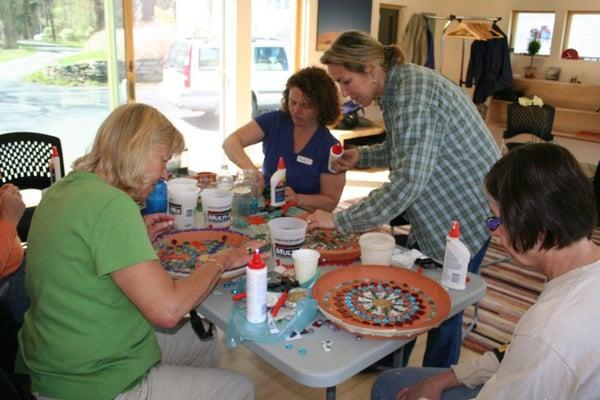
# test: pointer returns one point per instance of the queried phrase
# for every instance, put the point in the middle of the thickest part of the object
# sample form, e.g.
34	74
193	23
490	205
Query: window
583	34
528	25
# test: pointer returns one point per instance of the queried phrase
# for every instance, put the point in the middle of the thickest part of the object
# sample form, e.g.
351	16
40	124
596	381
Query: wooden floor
272	384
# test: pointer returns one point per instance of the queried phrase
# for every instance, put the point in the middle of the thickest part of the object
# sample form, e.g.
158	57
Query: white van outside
191	78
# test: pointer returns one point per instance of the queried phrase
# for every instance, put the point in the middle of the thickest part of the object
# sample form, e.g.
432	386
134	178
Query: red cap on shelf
337	149
281	163
454	230
257	262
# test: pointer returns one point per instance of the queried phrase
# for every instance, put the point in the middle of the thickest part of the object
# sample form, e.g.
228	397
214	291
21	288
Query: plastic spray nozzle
455	229
257	262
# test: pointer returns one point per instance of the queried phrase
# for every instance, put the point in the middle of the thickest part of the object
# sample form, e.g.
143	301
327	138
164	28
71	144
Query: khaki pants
187	372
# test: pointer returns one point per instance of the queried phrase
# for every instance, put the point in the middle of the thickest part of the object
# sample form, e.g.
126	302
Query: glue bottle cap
454	230
257	262
337	149
281	163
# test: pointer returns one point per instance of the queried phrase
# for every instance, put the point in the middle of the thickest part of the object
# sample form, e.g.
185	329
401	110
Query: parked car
191	78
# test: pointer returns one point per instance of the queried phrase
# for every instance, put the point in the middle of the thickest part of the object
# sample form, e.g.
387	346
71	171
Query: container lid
337	149
281	163
454	230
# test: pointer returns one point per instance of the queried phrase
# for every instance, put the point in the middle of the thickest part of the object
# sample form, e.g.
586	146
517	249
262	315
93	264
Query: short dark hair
542	194
319	89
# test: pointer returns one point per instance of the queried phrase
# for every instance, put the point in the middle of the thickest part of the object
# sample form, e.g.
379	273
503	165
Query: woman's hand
347	161
157	224
290	195
320	219
12	206
239	256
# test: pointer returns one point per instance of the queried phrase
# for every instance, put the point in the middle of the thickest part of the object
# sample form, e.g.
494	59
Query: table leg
330	395
397	361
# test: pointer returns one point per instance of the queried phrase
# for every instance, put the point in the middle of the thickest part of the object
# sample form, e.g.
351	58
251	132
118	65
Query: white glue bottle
55	171
278	185
335	152
456	260
256	290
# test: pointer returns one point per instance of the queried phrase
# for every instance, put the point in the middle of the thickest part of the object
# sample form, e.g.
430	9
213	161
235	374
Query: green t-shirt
82	338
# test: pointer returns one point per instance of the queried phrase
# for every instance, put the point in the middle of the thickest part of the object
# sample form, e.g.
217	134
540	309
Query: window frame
513	30
567	34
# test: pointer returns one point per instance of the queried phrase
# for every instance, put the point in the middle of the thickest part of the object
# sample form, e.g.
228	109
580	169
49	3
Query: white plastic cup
216	207
376	248
306	262
183	200
287	234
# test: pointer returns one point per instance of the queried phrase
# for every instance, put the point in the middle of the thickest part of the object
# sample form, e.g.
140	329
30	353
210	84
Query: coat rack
466	29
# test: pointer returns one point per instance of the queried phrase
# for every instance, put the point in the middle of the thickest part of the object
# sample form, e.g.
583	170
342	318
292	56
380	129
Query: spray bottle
256	290
55	171
456	260
278	185
335	152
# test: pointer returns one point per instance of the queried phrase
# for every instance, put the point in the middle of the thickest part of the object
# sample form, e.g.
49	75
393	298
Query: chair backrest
534	120
25	159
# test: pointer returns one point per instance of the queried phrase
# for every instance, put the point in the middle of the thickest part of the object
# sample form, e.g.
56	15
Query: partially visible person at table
12	267
298	133
97	286
544	216
437	149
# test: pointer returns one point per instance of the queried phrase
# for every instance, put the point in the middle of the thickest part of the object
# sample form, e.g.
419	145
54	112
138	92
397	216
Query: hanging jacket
414	41
489	67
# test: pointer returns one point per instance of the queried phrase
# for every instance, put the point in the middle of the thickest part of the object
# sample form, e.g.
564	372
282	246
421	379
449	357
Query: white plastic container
278	185
216	207
335	152
456	260
183	200
376	248
287	234
256	290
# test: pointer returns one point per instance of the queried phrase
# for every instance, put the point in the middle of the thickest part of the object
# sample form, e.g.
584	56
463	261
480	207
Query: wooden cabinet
576	120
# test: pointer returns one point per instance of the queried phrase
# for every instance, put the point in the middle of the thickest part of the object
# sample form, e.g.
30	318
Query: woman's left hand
290	195
239	256
157	224
320	219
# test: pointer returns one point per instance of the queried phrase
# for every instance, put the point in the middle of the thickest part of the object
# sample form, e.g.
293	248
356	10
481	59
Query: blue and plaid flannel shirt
438	151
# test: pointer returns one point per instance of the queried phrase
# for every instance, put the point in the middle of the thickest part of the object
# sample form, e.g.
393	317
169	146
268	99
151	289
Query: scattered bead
289	346
302	351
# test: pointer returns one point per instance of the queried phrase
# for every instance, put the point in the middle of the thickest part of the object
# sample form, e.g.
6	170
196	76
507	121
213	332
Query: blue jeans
389	383
443	342
12	294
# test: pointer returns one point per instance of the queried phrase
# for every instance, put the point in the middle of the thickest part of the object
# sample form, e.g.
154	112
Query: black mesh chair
533	120
25	162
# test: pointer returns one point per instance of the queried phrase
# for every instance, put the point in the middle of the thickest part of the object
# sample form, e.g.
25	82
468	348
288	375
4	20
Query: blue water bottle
157	199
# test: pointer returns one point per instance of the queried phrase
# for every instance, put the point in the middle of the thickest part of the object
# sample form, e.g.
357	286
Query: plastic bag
239	329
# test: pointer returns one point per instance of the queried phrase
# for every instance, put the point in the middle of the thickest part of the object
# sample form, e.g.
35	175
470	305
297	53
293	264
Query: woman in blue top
298	133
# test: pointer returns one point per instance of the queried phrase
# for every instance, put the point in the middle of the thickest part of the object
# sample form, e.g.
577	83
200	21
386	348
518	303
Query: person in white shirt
544	215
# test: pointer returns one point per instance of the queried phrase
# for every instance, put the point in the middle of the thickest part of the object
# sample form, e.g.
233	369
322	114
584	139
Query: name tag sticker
304	160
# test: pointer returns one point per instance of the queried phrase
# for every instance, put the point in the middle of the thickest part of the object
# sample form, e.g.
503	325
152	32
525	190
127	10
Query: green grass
83	57
13	54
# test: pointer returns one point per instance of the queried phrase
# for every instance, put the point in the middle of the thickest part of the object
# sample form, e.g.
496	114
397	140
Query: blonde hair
122	145
355	50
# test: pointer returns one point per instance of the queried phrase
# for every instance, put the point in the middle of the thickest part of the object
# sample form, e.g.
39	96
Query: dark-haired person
298	133
544	215
437	149
97	287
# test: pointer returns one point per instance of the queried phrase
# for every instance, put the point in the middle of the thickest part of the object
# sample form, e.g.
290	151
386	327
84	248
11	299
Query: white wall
586	71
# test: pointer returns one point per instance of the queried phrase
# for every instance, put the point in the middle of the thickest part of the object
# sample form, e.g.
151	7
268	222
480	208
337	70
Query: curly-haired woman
298	133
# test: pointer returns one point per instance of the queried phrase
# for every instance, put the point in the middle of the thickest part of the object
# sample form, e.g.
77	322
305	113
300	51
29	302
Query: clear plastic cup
306	262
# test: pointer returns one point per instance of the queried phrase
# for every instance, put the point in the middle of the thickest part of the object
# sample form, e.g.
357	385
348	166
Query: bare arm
431	388
332	186
165	301
234	145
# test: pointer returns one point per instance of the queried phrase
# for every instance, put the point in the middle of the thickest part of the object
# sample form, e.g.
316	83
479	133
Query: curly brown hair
319	89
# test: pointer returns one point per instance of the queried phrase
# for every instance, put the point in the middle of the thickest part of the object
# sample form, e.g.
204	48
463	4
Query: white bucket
287	234
182	204
216	207
376	248
182	181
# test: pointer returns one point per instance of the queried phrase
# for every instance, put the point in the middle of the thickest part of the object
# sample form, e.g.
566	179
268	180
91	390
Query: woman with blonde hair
97	287
437	149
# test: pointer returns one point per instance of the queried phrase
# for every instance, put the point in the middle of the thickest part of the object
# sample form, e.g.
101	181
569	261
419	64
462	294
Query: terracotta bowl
206	179
199	243
372	300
